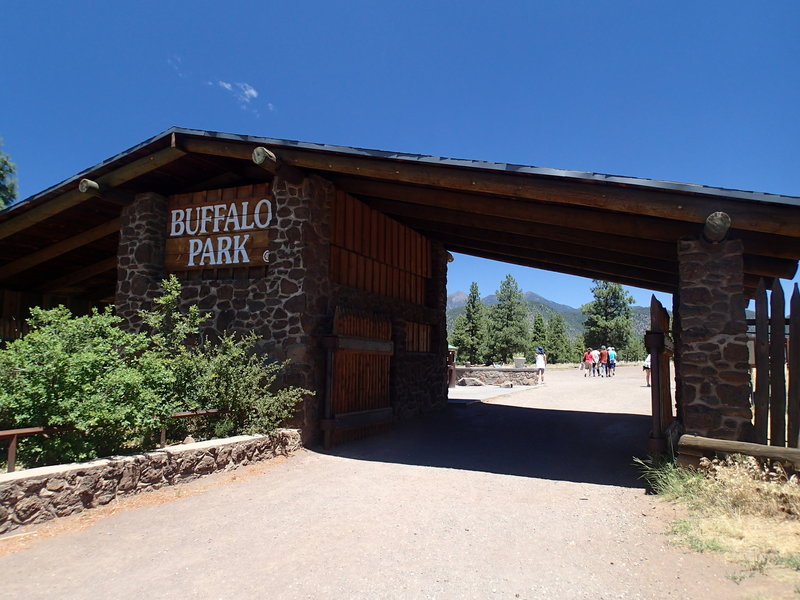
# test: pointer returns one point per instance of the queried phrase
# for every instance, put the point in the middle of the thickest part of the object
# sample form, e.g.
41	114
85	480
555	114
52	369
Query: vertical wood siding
372	252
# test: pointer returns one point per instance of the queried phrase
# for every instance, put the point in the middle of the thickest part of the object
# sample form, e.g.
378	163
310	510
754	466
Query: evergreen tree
469	329
538	337
609	316
578	348
8	185
558	347
508	329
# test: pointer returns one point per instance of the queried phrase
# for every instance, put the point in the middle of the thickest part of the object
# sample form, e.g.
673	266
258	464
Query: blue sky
683	91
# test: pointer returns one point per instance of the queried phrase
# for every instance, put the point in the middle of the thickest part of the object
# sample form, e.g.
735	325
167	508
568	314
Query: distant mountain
456	299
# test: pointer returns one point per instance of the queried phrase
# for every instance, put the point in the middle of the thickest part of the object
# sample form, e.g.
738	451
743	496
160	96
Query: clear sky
698	92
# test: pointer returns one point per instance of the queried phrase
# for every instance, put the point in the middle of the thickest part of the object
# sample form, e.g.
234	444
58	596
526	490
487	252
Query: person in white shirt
541	363
646	369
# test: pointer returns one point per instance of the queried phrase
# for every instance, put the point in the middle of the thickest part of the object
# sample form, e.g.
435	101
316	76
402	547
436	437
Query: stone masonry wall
44	493
140	255
713	366
283	309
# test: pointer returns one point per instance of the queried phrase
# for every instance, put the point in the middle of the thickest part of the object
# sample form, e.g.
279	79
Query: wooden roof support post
716	227
98	190
266	159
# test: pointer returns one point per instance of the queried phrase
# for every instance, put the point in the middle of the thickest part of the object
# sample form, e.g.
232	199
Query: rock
27	509
188	440
506	384
470	381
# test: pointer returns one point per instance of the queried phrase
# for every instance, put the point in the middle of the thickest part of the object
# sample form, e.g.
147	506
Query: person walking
587	362
603	361
612	361
541	364
595	362
646	369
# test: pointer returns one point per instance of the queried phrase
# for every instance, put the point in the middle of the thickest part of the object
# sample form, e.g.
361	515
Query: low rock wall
497	376
44	493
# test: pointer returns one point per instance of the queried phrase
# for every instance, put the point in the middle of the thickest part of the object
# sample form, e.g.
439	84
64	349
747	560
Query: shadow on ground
561	445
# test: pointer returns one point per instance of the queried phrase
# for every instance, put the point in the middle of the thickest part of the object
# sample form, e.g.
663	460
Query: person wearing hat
541	363
612	361
603	361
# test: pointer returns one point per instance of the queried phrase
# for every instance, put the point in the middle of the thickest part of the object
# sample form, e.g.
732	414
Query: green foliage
507	330
116	389
8	183
558	348
608	316
578	348
82	372
469	330
538	337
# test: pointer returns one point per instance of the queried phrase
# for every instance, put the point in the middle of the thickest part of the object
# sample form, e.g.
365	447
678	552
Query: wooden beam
509	208
600	267
680	206
532	263
74	196
95	190
83	274
577	248
697	446
441	219
59	248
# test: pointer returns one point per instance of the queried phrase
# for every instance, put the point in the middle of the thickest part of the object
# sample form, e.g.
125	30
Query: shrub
116	388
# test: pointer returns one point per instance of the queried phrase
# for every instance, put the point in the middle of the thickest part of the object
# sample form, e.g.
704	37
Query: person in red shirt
587	362
603	361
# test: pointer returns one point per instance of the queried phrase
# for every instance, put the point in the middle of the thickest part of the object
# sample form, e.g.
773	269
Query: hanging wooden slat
777	363
793	399
761	393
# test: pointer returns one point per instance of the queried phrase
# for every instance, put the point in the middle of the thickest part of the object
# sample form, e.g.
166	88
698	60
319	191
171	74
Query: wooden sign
221	232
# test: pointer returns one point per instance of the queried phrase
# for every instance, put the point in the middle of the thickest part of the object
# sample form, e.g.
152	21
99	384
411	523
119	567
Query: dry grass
743	508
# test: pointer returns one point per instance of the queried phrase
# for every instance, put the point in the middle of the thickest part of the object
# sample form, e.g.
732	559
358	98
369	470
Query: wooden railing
776	357
13	435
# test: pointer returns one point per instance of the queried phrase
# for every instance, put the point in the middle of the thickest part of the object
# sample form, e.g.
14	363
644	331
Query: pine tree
578	348
469	329
508	328
558	346
8	185
538	337
609	316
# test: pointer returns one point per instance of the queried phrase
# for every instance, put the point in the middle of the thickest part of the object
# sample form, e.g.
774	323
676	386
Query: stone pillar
140	256
713	369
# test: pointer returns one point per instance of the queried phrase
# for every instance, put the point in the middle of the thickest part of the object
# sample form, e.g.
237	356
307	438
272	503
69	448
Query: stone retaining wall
498	376
44	493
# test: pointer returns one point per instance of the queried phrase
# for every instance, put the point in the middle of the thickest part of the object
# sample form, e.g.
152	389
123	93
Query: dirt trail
529	495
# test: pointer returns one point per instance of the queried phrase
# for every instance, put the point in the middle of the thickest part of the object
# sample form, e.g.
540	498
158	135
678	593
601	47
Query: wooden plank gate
776	356
659	344
357	397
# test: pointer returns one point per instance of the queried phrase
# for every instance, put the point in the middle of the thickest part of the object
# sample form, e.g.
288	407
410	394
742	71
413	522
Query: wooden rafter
59	248
79	275
678	206
75	196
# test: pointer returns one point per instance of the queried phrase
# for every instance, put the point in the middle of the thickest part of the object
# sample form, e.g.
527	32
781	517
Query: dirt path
530	495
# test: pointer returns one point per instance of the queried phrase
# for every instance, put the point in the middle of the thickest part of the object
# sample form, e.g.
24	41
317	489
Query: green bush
117	389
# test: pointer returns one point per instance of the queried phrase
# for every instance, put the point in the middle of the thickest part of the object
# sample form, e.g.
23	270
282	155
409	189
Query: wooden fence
776	357
660	346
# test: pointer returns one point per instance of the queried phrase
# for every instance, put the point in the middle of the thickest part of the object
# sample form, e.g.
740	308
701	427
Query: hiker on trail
646	369
541	363
603	361
587	362
612	361
595	362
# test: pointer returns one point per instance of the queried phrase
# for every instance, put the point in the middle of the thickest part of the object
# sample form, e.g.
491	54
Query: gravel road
526	495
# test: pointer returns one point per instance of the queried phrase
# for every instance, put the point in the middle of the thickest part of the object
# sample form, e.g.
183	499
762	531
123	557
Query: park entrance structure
336	257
